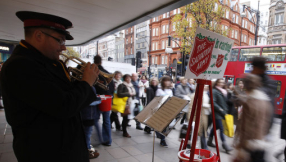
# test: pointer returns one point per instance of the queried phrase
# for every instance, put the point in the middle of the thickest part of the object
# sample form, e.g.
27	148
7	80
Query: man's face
52	47
134	77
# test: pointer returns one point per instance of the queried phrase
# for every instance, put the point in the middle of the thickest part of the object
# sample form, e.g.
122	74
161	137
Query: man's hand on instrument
90	73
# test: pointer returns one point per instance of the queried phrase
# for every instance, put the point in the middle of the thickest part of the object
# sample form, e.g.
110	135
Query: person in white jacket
143	84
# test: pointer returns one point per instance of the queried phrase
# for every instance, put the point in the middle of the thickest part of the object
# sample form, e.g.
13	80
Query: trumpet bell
77	73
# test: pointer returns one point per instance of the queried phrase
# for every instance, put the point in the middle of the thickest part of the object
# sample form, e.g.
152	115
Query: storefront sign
271	68
209	56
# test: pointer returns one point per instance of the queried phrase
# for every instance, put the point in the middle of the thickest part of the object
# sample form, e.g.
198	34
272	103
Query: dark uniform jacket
42	106
220	105
111	85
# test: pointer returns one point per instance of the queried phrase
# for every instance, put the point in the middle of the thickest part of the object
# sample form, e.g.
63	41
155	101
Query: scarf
130	88
143	81
116	83
223	91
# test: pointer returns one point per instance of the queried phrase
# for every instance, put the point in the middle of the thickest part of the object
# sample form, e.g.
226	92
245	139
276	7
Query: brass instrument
76	73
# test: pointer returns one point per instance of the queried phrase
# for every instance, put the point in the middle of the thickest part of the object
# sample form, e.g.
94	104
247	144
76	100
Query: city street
139	147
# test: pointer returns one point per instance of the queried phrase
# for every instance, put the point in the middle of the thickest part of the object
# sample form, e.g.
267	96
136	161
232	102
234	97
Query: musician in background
106	125
42	105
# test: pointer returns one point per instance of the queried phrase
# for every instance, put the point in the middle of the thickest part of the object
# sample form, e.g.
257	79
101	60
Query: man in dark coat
268	85
106	125
42	105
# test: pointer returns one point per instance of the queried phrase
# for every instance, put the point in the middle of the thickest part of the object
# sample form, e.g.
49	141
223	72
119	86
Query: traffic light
133	61
138	54
139	62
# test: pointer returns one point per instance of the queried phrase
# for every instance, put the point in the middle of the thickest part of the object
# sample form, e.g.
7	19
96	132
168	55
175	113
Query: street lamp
257	18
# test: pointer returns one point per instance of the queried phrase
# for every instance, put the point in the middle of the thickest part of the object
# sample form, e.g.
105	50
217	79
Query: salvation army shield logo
219	60
201	56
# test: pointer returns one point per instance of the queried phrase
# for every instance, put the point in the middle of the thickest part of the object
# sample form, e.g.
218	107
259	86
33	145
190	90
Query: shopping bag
119	104
228	125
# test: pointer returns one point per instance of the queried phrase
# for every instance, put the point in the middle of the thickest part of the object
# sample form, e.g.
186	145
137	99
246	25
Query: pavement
139	147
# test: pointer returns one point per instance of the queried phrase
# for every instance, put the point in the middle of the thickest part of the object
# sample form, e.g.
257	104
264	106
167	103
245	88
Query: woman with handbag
114	117
126	89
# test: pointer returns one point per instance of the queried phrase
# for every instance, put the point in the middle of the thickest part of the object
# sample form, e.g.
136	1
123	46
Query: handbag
228	125
119	103
126	111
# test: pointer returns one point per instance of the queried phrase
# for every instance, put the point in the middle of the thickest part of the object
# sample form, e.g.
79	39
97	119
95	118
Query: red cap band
37	22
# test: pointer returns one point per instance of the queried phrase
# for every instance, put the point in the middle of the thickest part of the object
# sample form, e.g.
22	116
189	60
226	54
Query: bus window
274	53
233	55
246	54
278	88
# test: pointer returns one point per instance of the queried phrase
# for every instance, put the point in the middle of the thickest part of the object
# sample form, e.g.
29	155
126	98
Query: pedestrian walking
134	81
220	108
183	91
254	122
163	91
106	125
143	85
126	89
113	116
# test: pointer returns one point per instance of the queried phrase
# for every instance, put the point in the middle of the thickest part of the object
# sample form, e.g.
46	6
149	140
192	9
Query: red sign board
219	60
201	55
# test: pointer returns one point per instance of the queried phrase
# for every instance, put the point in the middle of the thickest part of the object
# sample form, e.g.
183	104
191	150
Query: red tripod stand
197	104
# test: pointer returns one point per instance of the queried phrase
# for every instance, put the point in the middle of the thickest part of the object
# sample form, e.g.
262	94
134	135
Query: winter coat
182	91
254	123
161	92
150	94
220	106
136	87
43	107
283	125
111	86
142	87
205	111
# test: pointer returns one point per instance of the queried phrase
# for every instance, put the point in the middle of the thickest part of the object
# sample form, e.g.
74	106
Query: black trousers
114	118
143	99
125	123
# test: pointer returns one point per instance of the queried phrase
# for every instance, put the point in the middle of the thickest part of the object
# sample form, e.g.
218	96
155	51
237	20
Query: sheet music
151	108
168	111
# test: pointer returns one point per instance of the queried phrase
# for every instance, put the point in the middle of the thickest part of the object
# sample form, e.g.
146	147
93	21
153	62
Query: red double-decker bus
240	63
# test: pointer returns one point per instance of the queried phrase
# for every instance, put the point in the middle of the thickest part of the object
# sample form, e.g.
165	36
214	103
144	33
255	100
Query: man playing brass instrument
42	105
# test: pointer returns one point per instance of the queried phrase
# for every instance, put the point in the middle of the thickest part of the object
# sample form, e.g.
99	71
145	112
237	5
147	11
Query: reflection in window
233	55
278	88
248	53
274	53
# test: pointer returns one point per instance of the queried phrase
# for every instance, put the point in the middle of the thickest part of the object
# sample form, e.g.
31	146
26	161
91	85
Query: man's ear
38	36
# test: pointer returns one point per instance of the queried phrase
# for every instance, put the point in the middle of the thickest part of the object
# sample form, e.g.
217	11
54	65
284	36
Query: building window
267	13
156	60
167	28
163	29
157	46
276	41
126	40
279	18
131	50
127	31
163	45
236	20
153	60
174	12
131	39
157	18
157	31
233	17
166	59
245	37
131	31
235	34
154	31
153	46
154	19
245	24
164	16
162	60
138	45
166	43
232	34
168	14
179	11
174	26
227	14
265	22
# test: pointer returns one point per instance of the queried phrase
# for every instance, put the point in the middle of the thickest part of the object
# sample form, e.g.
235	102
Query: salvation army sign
209	56
201	56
